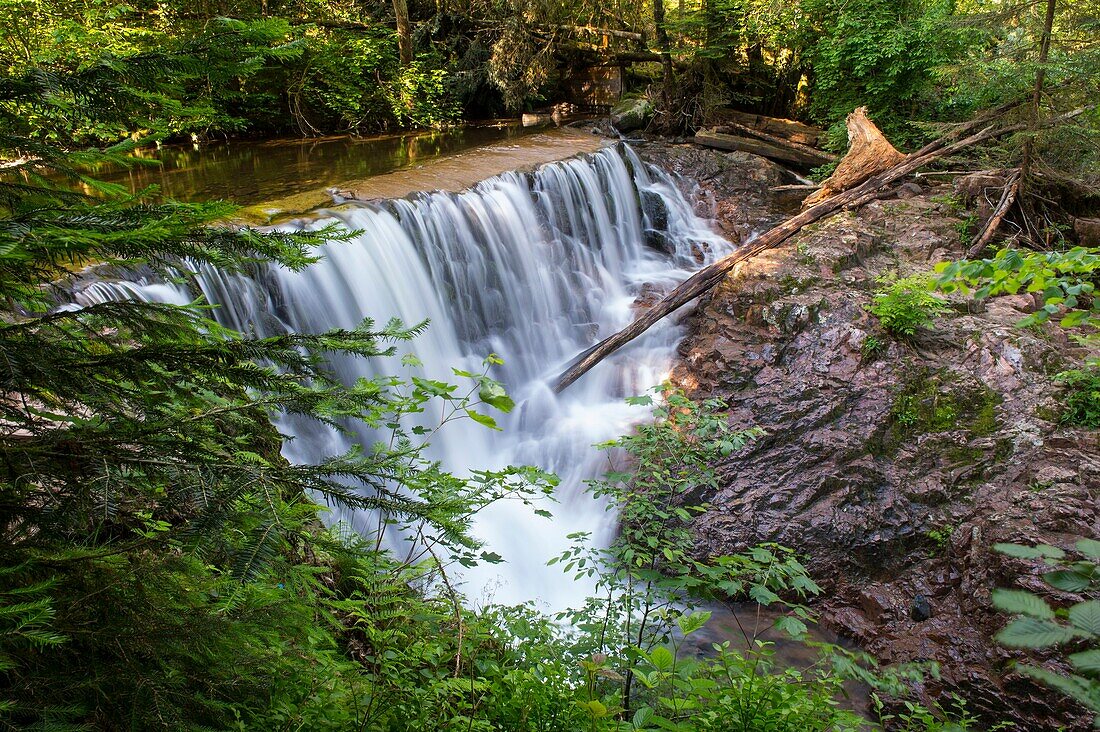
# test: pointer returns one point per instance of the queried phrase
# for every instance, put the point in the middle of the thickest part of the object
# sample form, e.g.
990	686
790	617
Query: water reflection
252	172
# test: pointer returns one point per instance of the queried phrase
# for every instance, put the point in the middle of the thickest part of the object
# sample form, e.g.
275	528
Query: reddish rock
893	466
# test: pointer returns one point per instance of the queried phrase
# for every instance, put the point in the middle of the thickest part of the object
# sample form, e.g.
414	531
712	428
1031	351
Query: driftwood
869	153
1008	197
711	275
784	151
786	128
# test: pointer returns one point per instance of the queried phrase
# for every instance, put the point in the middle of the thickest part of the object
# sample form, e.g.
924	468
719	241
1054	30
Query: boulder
631	114
1088	232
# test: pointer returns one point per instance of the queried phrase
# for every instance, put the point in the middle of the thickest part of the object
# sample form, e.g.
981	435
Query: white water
535	268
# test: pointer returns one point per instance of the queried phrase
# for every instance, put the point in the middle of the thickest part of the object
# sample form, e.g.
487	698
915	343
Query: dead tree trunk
765	146
709	276
869	153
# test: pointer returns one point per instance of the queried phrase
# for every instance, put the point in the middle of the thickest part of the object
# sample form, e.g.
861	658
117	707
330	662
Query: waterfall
533	267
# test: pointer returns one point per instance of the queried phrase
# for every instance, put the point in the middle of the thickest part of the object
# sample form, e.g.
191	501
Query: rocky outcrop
894	466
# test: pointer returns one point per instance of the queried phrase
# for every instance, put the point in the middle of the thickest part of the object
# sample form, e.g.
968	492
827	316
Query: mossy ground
938	401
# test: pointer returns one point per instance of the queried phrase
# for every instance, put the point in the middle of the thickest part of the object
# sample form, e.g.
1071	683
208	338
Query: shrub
1066	279
871	348
907	305
1082	397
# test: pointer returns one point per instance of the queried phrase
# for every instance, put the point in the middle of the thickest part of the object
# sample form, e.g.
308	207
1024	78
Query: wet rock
649	294
892	466
909	190
920	609
732	188
655	221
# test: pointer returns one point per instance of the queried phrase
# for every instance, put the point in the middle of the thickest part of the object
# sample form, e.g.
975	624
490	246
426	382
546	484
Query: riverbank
893	466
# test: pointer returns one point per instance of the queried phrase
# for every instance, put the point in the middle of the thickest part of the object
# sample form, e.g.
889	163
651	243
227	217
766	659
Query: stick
1008	196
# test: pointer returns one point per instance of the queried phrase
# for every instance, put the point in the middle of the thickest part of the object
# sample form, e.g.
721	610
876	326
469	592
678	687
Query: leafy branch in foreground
1040	625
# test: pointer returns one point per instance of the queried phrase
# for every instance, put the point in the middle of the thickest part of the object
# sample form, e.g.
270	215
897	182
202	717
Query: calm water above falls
532	267
248	172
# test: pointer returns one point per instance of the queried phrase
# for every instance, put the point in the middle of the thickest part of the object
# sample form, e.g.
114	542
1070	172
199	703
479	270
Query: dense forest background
325	67
164	568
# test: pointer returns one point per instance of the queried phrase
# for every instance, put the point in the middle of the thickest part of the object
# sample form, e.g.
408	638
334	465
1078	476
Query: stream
532	266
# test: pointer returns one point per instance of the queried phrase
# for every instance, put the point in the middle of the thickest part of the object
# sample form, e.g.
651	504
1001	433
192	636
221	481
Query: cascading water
532	267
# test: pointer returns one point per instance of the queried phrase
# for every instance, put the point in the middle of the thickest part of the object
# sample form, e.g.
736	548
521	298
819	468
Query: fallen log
1008	197
800	156
754	132
869	153
796	187
628	35
711	275
786	128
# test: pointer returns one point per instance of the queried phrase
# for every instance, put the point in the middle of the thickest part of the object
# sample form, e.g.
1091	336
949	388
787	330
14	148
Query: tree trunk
404	32
767	146
661	35
1037	94
869	153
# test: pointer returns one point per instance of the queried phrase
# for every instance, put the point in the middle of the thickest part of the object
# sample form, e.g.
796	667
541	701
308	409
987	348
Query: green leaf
1085	616
661	658
1067	580
642	717
690	623
763	595
1035	633
791	626
594	707
1028	552
1022	603
1089	547
482	419
1075	687
493	394
1086	661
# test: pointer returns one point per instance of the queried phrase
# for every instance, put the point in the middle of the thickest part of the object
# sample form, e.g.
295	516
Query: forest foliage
165	568
316	67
